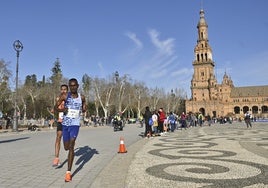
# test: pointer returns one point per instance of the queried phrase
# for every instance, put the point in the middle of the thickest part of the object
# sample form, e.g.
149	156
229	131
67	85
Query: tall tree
56	78
31	87
103	90
141	96
156	95
86	84
5	75
120	92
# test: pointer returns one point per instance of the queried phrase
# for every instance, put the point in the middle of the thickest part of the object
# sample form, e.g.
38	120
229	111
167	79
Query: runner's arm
61	99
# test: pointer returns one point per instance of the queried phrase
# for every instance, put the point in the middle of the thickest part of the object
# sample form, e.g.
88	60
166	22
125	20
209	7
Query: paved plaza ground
219	156
223	155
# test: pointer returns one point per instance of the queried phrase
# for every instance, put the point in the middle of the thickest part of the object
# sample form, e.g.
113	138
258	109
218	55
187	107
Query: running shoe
68	177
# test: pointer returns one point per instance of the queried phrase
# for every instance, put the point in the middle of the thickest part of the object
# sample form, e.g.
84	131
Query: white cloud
182	72
168	63
165	46
159	66
163	60
135	39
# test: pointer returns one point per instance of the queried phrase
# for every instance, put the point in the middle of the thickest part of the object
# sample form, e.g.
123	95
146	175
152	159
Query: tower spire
204	80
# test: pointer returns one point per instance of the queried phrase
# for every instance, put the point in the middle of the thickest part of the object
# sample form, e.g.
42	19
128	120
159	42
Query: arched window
264	109
255	109
202	110
237	110
245	109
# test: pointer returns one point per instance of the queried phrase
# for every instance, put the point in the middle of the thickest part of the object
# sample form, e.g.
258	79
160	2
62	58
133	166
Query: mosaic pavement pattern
209	157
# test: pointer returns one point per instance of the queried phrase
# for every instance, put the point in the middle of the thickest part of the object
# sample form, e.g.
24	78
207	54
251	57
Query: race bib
60	117
74	114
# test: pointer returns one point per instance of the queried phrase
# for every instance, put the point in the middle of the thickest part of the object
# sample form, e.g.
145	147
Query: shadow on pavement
13	140
85	153
141	134
62	164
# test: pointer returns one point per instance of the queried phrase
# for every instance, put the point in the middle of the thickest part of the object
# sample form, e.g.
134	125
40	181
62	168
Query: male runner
75	106
56	161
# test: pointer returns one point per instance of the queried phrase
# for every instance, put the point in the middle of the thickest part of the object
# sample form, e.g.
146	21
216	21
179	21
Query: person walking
56	161
74	107
148	128
248	119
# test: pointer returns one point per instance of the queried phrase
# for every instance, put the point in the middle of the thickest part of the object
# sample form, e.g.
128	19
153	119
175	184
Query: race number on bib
73	113
61	115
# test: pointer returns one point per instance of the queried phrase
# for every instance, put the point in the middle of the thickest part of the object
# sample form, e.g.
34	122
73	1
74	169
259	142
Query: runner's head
63	88
73	85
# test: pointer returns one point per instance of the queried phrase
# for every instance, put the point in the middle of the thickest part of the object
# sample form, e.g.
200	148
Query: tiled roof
249	91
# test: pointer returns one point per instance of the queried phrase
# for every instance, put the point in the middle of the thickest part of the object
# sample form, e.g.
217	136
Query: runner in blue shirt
75	106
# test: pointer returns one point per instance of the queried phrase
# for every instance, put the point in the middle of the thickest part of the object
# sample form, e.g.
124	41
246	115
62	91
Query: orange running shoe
68	177
56	162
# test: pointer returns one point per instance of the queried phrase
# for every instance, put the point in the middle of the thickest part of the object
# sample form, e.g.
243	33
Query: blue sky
151	40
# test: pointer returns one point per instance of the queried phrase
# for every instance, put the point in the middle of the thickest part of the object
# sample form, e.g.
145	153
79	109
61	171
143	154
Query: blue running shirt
74	105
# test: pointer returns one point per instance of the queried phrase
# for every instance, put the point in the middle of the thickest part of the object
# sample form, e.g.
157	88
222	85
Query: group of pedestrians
70	106
198	119
158	122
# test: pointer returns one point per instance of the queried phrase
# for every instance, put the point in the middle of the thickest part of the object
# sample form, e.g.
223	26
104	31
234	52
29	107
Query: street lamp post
138	91
116	74
18	48
173	106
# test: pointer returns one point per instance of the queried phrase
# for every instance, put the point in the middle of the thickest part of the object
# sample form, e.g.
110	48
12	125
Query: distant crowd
158	122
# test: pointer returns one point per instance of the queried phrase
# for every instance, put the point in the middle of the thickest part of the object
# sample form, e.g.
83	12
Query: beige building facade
220	99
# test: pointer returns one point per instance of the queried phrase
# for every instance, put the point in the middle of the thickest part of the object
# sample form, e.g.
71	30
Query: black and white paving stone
228	155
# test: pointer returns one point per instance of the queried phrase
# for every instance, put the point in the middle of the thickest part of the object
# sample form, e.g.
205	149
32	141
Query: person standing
56	161
162	117
148	128
75	106
200	119
155	123
209	120
172	121
8	121
183	121
248	119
